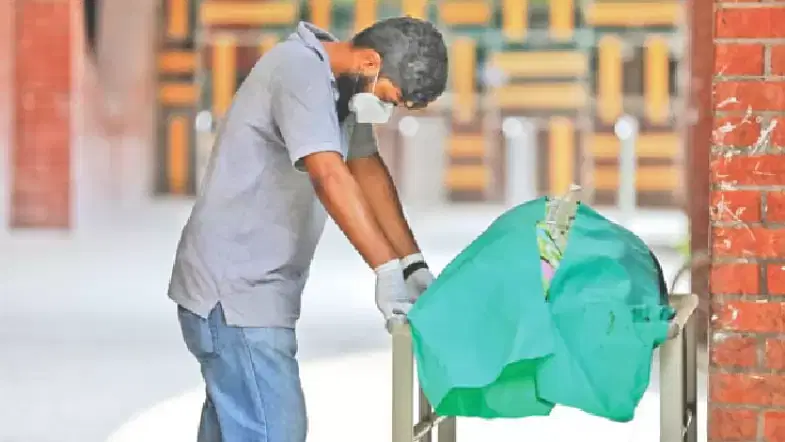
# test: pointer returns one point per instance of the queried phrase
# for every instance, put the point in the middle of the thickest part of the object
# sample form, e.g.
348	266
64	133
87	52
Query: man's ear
367	61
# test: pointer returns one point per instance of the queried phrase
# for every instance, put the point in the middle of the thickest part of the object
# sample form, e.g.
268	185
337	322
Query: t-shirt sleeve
363	142
303	107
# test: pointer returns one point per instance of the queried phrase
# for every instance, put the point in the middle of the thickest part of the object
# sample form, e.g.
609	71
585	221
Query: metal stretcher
677	358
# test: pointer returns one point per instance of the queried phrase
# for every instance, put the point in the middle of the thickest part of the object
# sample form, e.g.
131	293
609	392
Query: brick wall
41	151
747	284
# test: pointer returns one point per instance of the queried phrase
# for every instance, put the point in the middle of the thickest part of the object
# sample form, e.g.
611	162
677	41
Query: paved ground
349	399
89	339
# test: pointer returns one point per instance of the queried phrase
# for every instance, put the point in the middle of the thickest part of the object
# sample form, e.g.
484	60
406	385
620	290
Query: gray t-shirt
251	236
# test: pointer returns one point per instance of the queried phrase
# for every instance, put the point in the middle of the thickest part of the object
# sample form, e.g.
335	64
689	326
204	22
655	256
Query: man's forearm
344	201
377	185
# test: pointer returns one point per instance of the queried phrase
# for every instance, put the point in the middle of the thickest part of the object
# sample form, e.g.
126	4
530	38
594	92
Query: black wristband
413	267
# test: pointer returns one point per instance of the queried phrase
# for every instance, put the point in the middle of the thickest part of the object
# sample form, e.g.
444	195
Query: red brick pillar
747	287
41	147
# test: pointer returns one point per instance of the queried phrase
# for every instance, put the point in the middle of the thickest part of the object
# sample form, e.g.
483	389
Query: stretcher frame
678	384
677	358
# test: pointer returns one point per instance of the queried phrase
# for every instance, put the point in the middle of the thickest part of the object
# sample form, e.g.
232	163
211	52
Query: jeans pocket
278	340
199	337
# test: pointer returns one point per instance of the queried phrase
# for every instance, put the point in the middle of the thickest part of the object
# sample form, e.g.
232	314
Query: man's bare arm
341	195
377	185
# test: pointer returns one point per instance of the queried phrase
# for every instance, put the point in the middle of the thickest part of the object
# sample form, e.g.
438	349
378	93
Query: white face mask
368	108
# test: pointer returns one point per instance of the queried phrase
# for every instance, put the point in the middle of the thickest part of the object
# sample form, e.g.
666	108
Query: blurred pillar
626	130
125	65
520	137
422	183
43	95
126	36
6	103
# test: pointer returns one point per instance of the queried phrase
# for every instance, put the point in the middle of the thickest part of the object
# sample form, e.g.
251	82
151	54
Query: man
297	140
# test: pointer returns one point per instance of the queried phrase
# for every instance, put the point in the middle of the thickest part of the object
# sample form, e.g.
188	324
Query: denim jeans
252	379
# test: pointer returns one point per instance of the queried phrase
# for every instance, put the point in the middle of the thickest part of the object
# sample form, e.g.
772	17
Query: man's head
402	61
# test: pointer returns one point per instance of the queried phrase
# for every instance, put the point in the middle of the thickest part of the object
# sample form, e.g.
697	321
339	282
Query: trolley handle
396	323
685	306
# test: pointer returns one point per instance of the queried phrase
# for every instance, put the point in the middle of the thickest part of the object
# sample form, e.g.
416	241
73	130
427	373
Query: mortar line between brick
761	427
737	5
767	60
763	280
750	78
749	334
742	112
748	40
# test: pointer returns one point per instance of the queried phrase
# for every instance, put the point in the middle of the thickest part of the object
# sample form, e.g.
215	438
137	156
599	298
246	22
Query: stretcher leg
403	382
691	384
447	430
424	413
678	374
404	428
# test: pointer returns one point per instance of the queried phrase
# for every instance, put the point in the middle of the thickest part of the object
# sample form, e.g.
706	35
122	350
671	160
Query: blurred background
108	110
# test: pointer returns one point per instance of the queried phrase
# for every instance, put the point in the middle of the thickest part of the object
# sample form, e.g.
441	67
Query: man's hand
417	275
392	296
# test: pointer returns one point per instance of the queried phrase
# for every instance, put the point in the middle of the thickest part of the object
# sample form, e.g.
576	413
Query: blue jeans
252	378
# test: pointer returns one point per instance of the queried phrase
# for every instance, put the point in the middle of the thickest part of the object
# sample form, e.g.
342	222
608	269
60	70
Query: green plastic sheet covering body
489	343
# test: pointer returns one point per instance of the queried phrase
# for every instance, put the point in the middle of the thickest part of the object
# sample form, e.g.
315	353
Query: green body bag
489	343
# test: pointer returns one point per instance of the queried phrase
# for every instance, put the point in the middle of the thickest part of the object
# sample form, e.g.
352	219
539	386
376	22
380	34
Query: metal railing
521	150
626	130
621	166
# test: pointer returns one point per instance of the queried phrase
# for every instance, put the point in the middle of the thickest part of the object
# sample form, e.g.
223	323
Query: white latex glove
419	280
392	296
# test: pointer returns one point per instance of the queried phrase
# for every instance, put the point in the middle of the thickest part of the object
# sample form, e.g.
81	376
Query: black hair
414	56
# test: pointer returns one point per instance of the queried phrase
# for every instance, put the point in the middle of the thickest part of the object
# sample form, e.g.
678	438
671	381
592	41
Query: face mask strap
375	80
356	83
377	104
